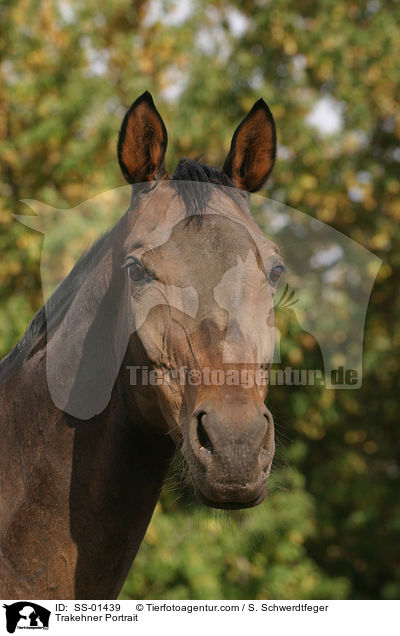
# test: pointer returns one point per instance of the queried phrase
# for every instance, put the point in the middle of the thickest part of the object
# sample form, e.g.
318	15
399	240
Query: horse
184	280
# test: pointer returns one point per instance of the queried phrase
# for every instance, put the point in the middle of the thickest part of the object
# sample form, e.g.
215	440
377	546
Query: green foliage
192	553
68	70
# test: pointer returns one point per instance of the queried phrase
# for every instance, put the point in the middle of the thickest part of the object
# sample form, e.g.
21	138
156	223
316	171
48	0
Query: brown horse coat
84	452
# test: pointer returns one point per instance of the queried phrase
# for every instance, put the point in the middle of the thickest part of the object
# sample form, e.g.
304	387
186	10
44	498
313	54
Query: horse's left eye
275	274
138	274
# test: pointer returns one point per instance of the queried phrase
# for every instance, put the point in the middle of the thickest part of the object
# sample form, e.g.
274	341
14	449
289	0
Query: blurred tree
330	74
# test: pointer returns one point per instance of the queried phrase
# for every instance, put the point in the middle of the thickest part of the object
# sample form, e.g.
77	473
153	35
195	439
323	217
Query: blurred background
330	74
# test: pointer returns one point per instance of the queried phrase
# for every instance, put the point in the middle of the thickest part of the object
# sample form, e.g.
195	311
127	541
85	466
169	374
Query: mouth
228	505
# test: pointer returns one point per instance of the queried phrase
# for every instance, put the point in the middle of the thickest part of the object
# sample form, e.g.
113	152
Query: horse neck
118	470
97	483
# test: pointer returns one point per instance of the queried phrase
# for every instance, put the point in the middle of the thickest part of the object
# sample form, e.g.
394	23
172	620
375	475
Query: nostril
202	435
267	431
269	419
268	445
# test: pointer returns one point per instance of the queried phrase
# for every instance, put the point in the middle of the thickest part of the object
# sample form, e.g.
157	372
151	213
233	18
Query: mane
59	300
193	170
196	194
196	190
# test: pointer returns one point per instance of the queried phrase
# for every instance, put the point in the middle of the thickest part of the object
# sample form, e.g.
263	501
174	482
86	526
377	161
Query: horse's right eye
137	273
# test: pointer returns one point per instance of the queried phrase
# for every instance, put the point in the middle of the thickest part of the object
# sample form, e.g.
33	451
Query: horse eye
276	274
137	273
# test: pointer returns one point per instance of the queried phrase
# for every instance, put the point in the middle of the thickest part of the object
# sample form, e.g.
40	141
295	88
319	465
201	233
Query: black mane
59	299
195	196
193	170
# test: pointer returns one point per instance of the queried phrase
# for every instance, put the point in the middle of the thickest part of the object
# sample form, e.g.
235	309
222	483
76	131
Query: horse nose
235	439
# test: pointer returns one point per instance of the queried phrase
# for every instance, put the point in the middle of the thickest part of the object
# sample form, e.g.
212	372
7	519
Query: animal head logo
26	615
329	279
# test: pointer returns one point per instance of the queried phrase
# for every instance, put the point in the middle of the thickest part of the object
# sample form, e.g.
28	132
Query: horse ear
253	149
142	142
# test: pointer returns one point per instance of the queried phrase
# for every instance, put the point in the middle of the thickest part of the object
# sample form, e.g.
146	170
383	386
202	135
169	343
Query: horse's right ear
142	142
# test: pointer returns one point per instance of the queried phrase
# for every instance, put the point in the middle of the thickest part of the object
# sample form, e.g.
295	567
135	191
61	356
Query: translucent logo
212	262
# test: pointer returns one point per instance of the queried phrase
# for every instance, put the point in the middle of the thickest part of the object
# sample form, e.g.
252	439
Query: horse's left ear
253	149
142	142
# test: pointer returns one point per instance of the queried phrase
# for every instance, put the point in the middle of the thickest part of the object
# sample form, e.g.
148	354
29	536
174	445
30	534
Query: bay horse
84	449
